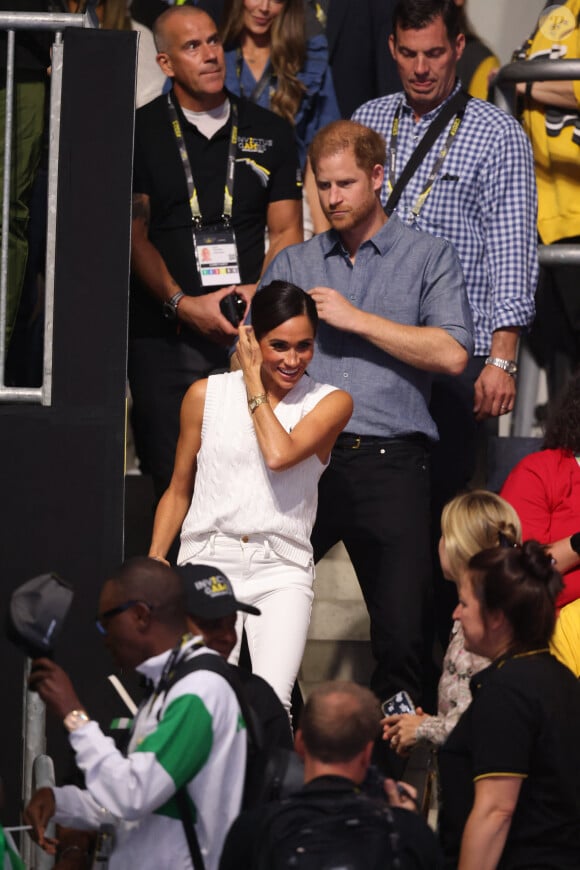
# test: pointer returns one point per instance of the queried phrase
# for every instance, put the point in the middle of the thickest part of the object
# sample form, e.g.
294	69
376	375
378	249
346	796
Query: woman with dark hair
510	771
544	488
270	61
255	443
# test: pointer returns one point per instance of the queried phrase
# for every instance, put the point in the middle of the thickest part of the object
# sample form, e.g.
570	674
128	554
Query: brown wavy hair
115	15
287	51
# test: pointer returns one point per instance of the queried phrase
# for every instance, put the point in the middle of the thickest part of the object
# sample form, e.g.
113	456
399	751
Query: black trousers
376	500
160	372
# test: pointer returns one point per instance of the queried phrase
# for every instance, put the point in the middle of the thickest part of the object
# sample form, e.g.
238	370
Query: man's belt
350	441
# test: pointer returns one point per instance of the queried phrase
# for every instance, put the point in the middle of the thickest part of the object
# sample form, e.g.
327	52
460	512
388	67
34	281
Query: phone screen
397	704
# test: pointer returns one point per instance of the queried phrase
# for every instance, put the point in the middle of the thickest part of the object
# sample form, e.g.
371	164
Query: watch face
511	368
169	311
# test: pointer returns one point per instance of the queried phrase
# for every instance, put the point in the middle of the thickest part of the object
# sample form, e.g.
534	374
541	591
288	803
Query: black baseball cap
209	593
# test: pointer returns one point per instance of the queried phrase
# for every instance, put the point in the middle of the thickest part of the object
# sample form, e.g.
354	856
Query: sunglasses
114	611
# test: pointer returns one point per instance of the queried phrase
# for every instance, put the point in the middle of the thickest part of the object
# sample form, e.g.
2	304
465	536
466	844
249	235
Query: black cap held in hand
36	614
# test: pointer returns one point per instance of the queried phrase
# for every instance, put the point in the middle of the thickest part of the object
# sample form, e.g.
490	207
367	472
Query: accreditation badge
216	255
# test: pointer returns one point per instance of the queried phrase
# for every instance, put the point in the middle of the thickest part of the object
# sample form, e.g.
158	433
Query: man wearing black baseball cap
211	611
212	606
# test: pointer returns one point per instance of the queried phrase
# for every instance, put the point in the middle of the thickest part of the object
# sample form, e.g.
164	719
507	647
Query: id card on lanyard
216	252
216	255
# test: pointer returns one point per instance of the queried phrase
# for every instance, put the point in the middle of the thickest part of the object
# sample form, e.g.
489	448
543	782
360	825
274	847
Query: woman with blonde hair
471	522
270	61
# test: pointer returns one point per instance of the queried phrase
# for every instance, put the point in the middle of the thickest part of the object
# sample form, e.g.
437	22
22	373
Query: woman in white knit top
470	522
255	443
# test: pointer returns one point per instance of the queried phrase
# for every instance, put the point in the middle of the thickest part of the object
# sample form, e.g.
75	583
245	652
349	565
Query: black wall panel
62	467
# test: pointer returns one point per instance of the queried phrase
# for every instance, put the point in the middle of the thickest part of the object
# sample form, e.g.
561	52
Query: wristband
575	542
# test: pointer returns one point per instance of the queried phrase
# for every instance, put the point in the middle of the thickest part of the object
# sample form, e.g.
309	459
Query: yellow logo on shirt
556	22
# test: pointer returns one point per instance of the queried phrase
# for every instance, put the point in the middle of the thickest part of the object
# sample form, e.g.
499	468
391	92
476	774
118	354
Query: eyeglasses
114	611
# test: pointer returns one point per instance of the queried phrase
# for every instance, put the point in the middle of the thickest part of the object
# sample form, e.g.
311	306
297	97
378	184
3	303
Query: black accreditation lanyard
266	79
191	189
420	201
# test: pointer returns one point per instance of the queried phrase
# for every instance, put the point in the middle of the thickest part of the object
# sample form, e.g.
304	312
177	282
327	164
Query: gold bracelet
254	401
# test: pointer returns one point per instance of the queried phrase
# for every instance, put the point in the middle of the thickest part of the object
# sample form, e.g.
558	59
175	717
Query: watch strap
170	305
75	719
575	542
255	401
507	365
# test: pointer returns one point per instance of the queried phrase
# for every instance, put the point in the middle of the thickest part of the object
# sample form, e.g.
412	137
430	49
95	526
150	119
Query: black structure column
62	467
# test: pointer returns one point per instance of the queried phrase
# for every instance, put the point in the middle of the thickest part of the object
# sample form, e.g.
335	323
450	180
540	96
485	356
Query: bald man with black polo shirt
211	171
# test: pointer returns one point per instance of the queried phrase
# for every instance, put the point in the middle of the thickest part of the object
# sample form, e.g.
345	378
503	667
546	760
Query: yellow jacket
557	157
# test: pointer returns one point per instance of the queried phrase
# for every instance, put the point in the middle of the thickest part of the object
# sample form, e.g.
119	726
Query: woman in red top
544	488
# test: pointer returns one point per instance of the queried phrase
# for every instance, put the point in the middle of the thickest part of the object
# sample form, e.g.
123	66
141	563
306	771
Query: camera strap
455	106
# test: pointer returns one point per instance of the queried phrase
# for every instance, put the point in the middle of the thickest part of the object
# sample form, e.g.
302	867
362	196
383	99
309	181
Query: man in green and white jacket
190	735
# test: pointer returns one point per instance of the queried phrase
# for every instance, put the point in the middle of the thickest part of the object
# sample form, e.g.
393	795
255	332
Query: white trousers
283	593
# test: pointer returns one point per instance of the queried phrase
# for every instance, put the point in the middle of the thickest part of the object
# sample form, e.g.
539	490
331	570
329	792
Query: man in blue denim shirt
393	309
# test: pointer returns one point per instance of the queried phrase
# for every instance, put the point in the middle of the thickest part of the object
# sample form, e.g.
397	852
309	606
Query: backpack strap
214	663
182	802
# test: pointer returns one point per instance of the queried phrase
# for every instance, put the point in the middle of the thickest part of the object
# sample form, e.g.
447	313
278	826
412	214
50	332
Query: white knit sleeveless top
235	493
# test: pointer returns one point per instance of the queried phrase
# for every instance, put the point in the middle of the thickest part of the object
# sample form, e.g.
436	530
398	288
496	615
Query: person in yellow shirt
565	643
551	117
477	62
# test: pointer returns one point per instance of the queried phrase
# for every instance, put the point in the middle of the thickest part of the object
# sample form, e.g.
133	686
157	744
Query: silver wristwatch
508	365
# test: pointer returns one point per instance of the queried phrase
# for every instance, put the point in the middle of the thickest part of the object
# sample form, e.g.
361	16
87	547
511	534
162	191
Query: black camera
233	308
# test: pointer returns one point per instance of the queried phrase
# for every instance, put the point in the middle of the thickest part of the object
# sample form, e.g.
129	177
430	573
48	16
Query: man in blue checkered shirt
483	200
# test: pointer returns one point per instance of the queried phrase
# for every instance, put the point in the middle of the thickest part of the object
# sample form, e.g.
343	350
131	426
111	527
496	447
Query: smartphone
397	704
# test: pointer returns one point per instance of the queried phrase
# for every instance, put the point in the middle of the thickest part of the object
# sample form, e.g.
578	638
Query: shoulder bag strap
456	104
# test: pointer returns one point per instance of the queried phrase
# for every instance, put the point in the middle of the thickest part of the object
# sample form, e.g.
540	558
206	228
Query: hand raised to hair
333	308
250	359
